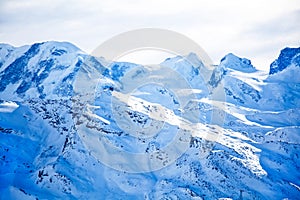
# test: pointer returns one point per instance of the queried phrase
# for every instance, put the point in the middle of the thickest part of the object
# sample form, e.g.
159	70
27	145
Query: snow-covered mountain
69	130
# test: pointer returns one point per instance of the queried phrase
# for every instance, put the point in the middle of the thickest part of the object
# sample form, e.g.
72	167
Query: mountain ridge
51	106
285	57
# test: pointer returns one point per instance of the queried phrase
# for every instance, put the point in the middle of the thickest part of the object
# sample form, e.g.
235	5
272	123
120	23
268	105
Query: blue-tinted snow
42	156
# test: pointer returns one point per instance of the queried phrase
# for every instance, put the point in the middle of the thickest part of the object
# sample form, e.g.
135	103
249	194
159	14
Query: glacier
57	103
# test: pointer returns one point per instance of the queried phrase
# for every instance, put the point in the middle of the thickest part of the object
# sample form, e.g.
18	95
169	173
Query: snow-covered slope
66	120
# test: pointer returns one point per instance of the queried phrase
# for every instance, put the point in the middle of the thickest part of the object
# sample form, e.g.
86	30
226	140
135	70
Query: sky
254	29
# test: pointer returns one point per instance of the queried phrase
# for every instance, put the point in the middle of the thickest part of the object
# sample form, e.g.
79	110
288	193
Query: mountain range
74	126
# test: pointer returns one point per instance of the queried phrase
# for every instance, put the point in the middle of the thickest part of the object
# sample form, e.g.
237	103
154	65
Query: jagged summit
232	61
287	57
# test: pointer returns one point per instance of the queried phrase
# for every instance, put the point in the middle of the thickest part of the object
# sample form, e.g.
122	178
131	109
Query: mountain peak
67	45
286	57
39	69
52	45
240	64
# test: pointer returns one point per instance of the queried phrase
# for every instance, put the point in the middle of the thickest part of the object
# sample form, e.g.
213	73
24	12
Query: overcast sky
255	29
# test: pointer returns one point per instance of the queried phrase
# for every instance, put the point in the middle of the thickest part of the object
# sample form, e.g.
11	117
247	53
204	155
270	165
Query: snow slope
70	130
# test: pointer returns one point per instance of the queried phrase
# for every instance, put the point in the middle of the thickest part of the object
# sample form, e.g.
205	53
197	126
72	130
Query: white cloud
218	26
